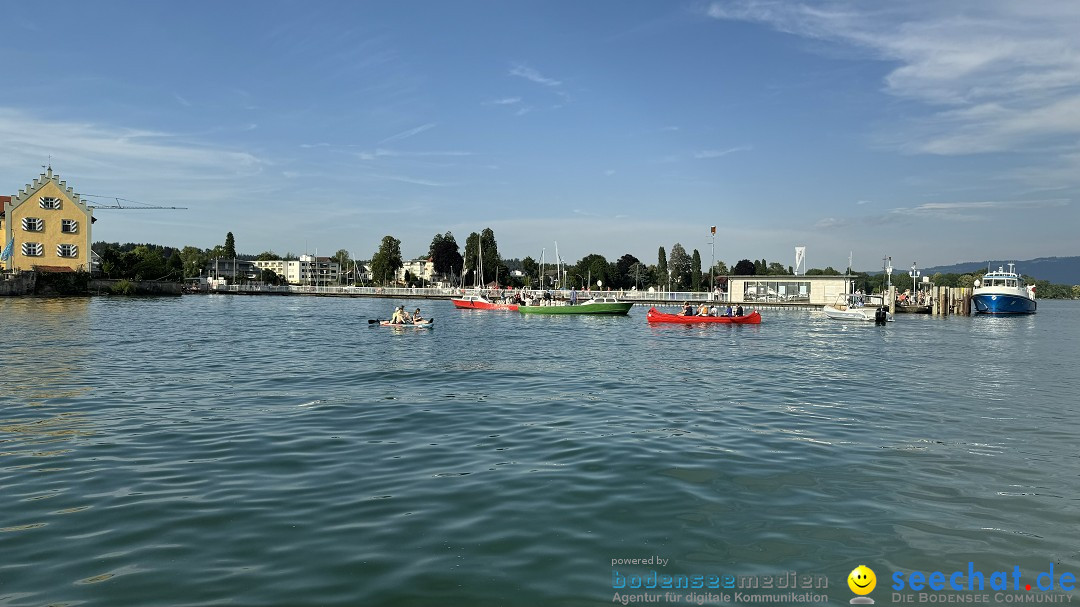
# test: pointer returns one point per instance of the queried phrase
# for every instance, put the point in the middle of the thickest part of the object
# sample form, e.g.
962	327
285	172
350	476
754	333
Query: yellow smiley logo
862	580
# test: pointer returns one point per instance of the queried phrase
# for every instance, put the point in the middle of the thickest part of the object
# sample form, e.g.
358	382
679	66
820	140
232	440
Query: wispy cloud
415	180
528	73
182	101
102	148
409	133
967	209
504	101
999	75
828	223
384	153
719	153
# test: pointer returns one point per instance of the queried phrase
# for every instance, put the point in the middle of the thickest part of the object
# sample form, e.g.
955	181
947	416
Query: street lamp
712	259
914	279
888	271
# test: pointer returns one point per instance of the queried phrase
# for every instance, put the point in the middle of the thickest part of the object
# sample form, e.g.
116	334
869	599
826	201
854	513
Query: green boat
600	305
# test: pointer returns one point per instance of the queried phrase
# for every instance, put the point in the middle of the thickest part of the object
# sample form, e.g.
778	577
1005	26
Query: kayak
752	318
424	324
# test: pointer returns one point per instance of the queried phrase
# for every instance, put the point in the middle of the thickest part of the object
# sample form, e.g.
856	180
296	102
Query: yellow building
47	226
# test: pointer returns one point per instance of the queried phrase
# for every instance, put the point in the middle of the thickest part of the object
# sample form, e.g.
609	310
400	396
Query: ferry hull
1002	304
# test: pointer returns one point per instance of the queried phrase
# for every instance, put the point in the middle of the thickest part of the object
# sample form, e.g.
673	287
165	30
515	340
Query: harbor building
811	290
46	227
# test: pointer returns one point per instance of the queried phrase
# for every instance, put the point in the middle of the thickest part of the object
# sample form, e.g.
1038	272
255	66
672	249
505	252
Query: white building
423	269
308	270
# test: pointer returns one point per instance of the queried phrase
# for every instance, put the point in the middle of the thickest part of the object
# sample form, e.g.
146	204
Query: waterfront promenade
644	298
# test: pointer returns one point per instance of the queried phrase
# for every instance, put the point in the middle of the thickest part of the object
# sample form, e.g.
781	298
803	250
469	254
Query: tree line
480	264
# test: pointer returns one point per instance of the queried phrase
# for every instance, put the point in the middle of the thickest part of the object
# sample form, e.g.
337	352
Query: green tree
149	263
344	262
530	268
269	277
1076	291
695	271
679	264
745	267
267	256
661	274
444	254
623	278
966	281
492	262
591	268
230	246
175	266
386	261
194	260
777	269
638	276
484	243
471	260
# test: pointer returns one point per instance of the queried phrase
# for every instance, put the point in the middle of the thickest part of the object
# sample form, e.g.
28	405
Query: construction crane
132	204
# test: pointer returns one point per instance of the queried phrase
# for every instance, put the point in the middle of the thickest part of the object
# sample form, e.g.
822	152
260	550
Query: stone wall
104	286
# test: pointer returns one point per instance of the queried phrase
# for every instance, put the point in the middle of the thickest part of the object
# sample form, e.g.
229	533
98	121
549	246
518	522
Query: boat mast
479	280
558	265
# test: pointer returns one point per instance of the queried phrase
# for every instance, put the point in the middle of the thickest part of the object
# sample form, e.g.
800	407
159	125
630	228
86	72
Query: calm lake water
226	450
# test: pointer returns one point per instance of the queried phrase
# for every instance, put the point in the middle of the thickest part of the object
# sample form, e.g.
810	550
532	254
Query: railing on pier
657	298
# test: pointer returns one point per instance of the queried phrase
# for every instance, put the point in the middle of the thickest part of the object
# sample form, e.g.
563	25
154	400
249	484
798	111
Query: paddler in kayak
400	316
416	317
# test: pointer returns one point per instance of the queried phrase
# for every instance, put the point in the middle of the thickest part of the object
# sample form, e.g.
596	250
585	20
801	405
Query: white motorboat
855	306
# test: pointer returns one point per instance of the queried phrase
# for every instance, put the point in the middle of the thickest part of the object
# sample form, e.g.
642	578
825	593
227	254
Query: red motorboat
752	318
479	302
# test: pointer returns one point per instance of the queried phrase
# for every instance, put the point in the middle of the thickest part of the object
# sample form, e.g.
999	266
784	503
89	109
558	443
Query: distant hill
1057	270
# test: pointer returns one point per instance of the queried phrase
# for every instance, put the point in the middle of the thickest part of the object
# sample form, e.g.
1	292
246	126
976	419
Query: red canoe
752	318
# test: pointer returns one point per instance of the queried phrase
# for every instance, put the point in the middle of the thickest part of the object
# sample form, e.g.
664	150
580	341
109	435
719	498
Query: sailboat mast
558	265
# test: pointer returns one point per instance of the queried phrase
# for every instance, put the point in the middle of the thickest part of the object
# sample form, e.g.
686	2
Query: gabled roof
27	192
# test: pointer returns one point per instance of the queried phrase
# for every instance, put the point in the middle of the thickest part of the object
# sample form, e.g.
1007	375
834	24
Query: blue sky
934	132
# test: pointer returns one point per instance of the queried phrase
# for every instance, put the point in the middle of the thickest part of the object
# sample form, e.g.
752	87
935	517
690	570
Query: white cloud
408	133
972	209
528	73
504	101
97	149
999	74
719	153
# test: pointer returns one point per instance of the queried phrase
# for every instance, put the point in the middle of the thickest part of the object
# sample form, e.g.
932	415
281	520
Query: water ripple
280	451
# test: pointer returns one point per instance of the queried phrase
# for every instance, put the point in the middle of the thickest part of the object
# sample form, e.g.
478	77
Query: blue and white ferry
1003	292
